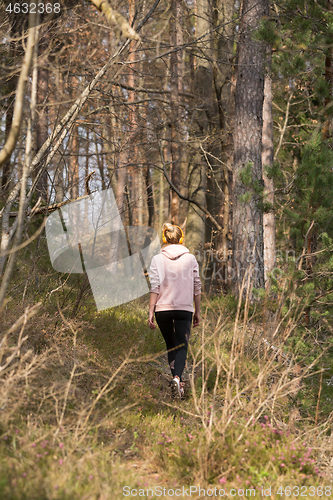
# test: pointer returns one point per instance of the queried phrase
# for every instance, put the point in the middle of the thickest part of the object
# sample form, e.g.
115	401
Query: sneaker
177	388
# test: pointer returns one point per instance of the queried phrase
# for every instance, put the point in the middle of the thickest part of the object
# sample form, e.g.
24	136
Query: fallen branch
47	208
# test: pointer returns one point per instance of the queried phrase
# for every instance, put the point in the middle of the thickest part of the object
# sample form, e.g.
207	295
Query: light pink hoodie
174	275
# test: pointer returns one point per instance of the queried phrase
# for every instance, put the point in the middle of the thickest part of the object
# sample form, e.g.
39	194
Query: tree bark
203	90
150	199
222	78
100	160
133	174
31	121
175	146
267	160
73	163
6	169
42	115
161	204
109	148
122	188
247	180
327	131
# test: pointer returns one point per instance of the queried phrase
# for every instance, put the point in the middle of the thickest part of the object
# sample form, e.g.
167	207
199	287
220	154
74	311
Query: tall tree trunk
86	170
100	161
73	163
161	205
248	248
222	77
10	87
175	69
33	102
212	117
121	181
42	114
59	183
267	161
328	129
202	88
150	199
6	169
133	180
110	151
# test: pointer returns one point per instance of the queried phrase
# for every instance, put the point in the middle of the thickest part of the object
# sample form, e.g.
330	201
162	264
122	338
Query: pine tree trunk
133	180
222	76
202	88
267	160
175	148
248	248
327	130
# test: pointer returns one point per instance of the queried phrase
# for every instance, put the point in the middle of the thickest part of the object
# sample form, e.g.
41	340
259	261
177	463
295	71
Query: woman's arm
152	304
154	290
196	317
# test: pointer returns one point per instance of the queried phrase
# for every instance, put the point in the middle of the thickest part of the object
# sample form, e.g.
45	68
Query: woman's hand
152	304
196	318
151	320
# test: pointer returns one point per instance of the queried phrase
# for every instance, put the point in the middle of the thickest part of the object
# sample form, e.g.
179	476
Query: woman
175	283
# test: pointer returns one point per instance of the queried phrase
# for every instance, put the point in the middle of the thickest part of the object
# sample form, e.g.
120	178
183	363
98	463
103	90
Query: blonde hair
171	233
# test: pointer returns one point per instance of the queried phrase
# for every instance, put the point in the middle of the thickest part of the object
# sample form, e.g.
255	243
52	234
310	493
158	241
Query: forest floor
86	410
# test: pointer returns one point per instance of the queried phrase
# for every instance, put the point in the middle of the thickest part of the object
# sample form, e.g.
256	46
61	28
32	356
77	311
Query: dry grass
78	422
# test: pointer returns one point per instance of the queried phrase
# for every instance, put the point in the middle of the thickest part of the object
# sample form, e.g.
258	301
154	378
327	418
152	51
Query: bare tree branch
115	19
201	207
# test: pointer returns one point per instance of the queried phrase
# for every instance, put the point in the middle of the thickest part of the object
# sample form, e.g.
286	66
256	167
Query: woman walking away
175	283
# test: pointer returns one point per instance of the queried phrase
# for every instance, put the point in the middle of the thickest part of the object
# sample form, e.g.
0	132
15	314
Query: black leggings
175	327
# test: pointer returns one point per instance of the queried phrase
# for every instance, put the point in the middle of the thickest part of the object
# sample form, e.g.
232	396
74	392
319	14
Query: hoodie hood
173	252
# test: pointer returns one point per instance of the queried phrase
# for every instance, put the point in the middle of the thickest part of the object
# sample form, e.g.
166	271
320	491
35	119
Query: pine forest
215	116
